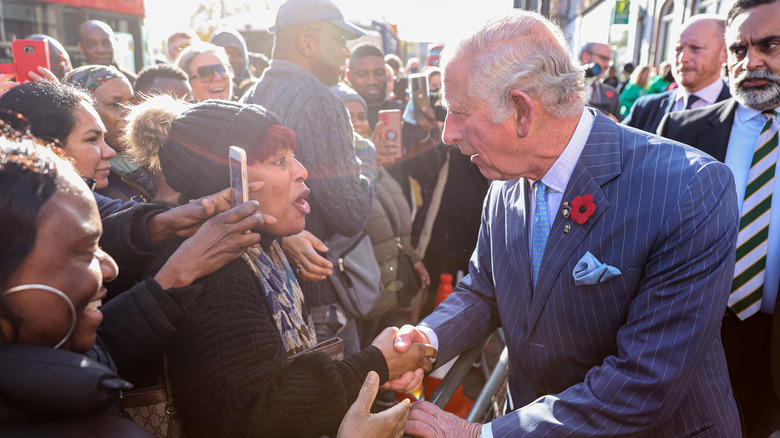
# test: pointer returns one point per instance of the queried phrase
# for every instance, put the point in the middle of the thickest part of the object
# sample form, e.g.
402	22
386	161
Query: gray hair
188	55
505	55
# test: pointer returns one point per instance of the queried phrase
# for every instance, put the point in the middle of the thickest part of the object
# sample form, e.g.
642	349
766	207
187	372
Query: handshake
408	354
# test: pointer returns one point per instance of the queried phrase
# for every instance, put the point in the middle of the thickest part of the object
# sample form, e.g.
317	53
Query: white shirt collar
557	177
709	94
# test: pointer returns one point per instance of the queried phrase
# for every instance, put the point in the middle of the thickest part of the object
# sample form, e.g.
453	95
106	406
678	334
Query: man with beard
742	132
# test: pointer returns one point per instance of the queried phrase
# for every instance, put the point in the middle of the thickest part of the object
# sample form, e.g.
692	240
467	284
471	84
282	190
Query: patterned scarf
90	77
284	296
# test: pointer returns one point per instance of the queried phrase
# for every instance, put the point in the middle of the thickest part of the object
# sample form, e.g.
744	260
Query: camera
29	50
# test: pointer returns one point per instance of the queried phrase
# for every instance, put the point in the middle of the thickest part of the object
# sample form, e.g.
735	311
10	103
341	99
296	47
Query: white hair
507	54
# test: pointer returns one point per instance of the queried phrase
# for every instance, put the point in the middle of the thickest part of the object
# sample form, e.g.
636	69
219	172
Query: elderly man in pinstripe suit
605	253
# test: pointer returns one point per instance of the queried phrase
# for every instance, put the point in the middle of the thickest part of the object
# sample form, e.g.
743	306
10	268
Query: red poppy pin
610	94
582	207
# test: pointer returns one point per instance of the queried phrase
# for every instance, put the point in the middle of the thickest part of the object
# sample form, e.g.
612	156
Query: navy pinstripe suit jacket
638	355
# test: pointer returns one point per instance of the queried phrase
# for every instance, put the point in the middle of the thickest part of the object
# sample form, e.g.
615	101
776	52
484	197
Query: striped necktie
541	229
748	286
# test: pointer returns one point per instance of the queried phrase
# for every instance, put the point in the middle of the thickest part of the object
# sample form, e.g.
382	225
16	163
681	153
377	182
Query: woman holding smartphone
230	367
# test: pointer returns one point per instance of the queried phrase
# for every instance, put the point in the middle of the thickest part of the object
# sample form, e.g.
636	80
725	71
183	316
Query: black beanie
194	159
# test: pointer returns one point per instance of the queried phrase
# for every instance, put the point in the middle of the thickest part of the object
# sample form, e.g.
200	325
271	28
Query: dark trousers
747	345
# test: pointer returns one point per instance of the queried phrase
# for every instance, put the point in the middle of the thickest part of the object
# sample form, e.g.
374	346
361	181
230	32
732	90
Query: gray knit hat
347	94
195	157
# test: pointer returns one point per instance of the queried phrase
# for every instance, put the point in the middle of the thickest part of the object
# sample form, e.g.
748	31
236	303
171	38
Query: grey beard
761	98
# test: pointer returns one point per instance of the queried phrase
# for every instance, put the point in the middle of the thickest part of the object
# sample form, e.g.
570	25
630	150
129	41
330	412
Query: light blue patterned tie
541	229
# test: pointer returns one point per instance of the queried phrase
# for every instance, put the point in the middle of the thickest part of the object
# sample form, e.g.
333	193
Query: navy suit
647	111
636	355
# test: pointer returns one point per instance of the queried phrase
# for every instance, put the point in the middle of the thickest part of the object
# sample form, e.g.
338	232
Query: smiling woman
209	70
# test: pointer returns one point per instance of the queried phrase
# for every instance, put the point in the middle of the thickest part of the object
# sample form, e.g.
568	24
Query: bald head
96	42
700	52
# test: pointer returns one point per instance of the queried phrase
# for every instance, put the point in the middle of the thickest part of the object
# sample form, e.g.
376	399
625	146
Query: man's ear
304	42
524	111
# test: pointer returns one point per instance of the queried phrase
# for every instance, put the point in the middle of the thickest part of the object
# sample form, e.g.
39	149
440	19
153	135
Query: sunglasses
206	72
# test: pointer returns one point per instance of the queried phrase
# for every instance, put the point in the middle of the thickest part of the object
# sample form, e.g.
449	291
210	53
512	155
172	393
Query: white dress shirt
707	96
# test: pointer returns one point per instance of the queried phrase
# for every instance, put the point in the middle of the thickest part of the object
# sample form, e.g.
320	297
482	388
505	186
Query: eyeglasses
91	182
603	58
206	72
341	39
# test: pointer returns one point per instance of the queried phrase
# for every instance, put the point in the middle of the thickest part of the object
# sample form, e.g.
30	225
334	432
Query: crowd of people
616	224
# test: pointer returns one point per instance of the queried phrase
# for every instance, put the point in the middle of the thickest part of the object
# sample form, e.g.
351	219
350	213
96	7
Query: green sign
621	12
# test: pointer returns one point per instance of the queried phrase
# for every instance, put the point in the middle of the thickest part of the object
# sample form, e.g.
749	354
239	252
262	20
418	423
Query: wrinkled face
87	146
283	196
330	53
236	59
699	55
219	86
97	45
599	53
112	99
359	118
368	77
65	256
753	42
493	148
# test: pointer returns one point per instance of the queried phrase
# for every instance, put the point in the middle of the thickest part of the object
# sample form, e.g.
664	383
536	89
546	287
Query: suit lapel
600	162
714	137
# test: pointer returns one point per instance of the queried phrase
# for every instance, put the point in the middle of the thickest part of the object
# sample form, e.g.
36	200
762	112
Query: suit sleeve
459	322
669	331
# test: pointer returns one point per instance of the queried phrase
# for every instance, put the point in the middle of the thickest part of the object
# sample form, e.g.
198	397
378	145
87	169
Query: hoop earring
55	292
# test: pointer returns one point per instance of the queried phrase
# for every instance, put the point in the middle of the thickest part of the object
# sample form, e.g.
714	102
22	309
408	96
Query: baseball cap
295	12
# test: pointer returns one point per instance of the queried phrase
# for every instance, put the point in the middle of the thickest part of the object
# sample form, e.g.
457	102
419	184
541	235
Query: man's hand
387	151
220	240
427	420
360	422
428	122
184	220
413	357
301	251
409	381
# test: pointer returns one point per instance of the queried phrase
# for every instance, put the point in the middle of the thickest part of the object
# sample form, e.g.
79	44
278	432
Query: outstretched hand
410	381
185	220
220	240
360	422
415	358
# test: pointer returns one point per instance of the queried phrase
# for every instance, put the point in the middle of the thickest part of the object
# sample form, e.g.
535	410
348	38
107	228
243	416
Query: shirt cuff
431	335
487	432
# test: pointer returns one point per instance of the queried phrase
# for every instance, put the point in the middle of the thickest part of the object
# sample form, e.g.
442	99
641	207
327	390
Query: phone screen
238	175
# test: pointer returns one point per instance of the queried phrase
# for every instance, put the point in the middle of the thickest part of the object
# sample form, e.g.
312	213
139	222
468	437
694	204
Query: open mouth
300	202
94	305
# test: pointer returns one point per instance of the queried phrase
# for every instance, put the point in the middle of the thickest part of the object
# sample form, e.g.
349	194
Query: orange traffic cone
445	288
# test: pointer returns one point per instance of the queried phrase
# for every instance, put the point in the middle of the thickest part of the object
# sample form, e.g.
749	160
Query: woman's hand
422	274
185	220
220	240
301	251
415	357
360	422
43	74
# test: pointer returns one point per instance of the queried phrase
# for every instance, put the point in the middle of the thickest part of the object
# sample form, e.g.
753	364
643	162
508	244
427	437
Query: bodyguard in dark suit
742	132
605	253
700	53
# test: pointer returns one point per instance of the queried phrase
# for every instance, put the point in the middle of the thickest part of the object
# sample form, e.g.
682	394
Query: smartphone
28	56
238	176
391	125
418	86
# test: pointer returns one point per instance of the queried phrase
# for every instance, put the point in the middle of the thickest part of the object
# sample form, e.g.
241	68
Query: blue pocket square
590	271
